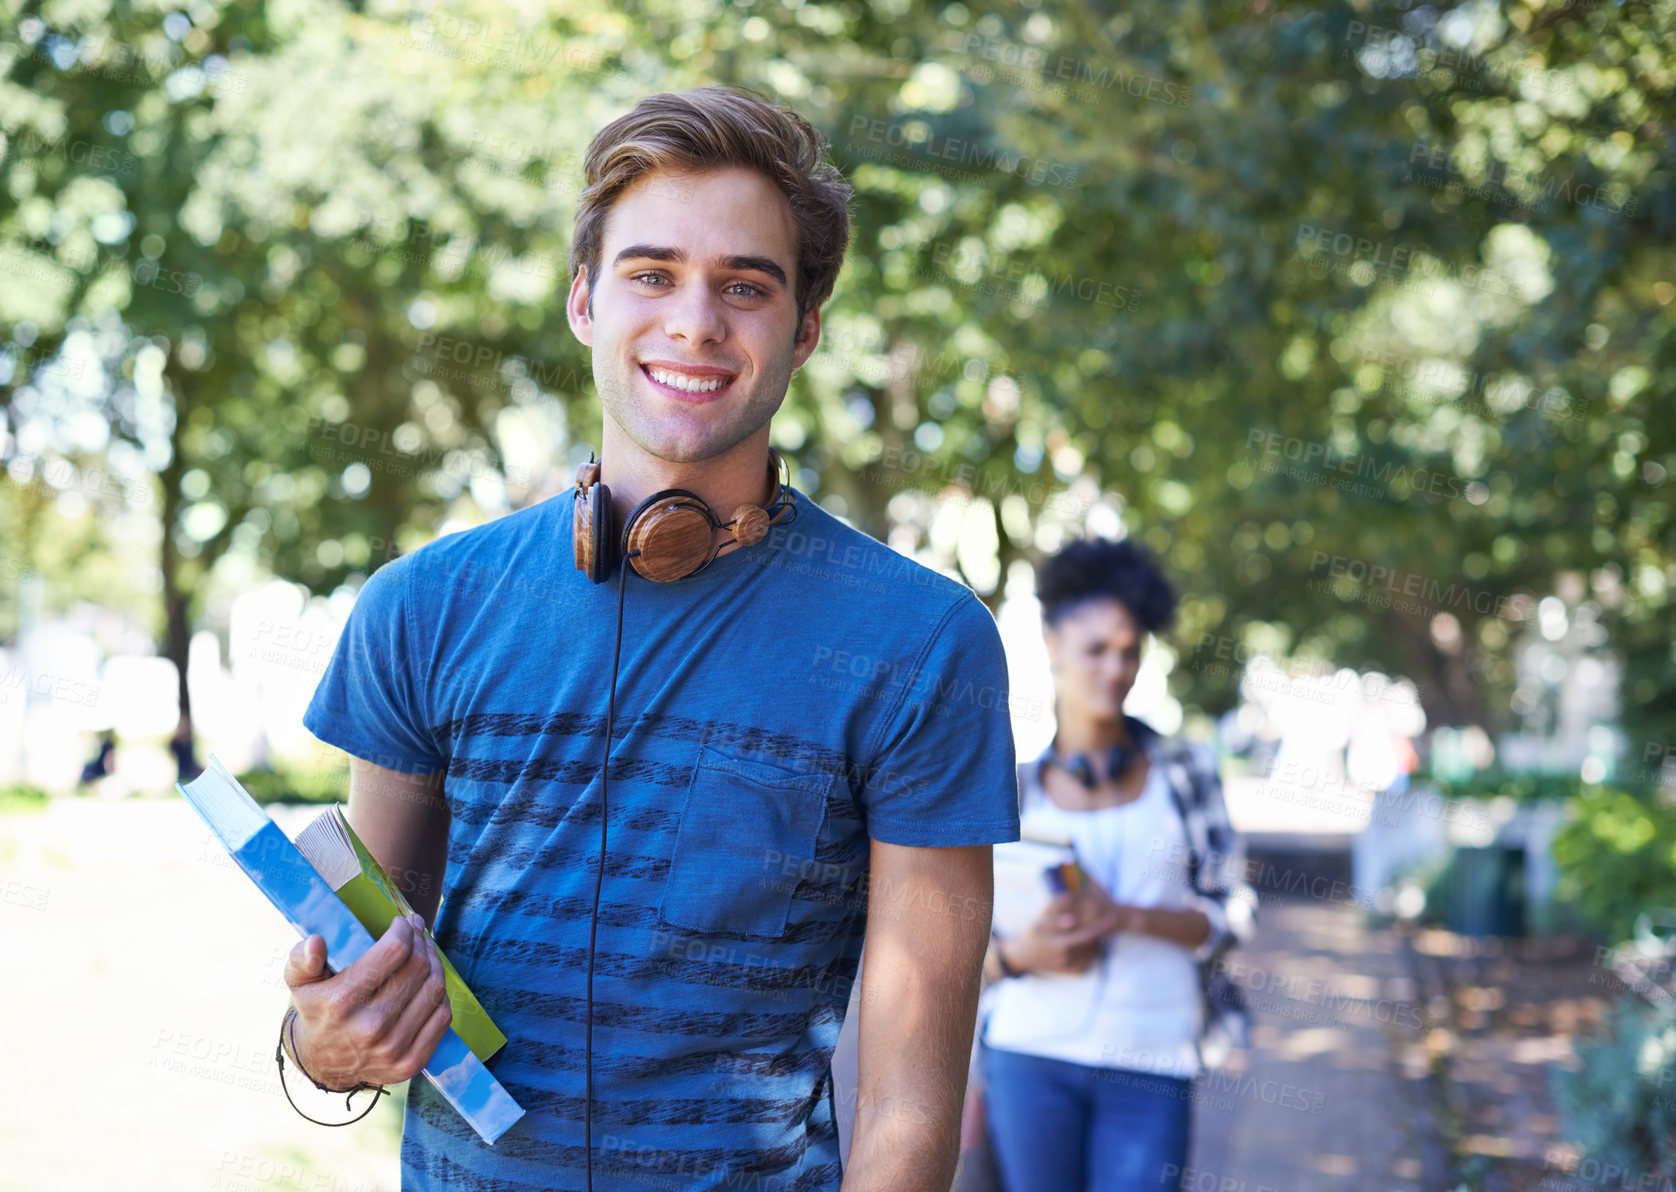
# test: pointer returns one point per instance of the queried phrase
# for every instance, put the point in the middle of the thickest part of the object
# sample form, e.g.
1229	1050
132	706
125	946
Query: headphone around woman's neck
1119	758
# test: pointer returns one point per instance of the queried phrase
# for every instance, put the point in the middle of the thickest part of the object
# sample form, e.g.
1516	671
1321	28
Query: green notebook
337	854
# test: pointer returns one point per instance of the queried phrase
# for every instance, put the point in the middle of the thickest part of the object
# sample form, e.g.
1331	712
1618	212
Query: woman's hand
1096	908
1067	937
1186	926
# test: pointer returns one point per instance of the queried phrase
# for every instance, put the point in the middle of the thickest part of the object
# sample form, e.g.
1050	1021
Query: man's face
694	327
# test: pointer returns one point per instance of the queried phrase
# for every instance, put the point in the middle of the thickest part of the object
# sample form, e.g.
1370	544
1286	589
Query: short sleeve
367	703
944	771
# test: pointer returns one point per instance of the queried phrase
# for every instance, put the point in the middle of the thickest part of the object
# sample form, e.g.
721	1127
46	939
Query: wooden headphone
671	534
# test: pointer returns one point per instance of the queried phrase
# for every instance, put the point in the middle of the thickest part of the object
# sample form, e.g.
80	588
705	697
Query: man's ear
576	308
808	335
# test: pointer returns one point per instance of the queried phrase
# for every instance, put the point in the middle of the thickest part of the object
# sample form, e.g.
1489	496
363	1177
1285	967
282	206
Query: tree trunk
1005	553
1451	694
178	629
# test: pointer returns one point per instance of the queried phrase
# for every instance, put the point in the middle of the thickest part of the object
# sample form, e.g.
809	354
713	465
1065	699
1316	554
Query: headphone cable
599	875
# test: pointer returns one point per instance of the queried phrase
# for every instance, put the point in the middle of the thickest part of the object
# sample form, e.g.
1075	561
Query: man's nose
696	315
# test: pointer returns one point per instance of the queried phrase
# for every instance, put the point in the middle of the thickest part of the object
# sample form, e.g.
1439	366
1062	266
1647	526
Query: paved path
1320	1100
1333	1094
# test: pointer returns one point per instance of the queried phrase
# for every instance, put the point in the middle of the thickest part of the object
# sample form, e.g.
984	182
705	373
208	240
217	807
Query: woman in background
1101	1015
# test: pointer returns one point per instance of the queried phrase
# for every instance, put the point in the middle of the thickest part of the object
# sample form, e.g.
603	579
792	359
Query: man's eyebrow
757	265
676	256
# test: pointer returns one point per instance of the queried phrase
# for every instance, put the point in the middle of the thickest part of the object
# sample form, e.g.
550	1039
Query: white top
1139	1007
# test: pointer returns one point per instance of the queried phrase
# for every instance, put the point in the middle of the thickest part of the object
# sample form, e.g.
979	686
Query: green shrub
283	784
1620	1107
23	798
1521	787
1617	858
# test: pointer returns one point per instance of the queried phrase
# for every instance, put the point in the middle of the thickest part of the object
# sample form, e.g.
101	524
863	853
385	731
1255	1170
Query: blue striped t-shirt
773	713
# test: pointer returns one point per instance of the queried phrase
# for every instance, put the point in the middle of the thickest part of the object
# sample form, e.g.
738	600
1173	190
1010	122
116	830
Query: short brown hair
715	128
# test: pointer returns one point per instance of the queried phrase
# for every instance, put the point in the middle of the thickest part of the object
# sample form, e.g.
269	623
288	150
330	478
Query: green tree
1359	316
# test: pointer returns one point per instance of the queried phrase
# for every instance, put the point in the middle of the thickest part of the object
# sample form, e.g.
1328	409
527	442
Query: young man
808	745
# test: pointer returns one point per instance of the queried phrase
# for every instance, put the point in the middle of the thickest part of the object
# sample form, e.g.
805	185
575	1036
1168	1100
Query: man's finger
429	1037
363	978
421	1007
394	998
307	962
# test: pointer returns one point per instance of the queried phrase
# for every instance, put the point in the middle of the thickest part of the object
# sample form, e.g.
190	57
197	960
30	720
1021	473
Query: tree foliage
1360	315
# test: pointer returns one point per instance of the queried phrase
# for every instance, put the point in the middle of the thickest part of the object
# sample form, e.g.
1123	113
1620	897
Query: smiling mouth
683	385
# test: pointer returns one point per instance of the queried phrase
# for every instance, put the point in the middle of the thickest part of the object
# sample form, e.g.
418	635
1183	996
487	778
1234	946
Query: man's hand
379	1020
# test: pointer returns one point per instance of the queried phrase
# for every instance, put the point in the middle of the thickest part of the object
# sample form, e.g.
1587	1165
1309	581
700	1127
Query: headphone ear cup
590	532
674	537
1117	760
1080	768
582	532
603	557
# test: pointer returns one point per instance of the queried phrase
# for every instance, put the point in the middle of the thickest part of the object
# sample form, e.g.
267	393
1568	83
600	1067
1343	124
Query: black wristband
279	1058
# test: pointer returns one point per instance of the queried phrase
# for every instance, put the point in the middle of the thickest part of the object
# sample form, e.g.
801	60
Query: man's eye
648	277
750	290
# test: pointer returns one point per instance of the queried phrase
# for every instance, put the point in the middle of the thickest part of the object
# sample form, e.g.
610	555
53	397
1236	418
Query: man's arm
379	1019
403	820
927	927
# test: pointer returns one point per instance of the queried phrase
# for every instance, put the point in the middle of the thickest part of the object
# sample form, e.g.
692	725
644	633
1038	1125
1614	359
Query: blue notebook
311	906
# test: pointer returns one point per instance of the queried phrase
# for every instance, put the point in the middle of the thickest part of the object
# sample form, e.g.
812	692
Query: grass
283	784
24	799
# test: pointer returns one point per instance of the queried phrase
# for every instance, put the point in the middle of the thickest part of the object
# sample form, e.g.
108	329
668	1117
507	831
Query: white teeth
685	384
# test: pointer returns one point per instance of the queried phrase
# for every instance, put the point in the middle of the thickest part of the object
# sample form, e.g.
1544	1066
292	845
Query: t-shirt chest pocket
741	822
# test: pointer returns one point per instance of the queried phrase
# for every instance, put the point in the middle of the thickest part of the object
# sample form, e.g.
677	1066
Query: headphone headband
671	534
1119	757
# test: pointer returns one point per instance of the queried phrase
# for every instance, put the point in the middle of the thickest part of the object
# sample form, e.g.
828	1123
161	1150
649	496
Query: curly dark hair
1096	568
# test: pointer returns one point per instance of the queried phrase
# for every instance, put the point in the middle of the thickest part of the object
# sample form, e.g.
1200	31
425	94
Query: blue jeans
1063	1127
